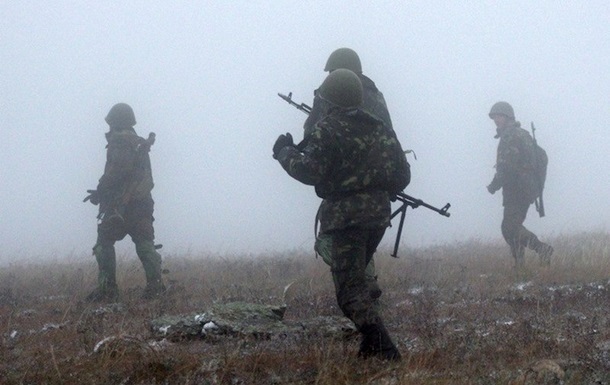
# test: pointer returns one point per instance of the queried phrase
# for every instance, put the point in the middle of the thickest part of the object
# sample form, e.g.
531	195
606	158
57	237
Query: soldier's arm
311	165
509	158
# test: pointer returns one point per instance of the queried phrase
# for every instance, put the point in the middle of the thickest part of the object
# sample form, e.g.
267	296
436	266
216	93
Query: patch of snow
210	326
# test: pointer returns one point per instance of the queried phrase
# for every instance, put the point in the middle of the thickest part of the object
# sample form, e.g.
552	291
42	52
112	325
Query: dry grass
458	312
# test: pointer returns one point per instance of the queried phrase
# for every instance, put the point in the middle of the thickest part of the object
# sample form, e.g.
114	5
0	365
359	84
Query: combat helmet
343	58
342	87
502	108
121	115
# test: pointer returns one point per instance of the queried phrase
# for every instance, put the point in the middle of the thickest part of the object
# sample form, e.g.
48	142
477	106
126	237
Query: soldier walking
516	176
374	103
356	165
126	205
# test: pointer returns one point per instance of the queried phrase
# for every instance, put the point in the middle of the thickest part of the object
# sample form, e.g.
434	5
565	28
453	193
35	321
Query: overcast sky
204	76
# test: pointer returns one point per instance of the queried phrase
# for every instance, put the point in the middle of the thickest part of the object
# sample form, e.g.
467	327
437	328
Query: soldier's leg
350	253
511	230
151	261
530	240
105	256
348	261
140	220
323	249
371	280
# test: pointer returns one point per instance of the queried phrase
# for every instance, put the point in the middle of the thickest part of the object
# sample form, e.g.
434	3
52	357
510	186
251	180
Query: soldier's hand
93	197
491	189
281	142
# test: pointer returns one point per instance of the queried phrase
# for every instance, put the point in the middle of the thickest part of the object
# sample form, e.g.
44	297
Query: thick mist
204	76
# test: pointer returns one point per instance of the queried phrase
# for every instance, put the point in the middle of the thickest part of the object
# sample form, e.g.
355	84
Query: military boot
518	253
107	289
544	253
109	293
376	342
151	261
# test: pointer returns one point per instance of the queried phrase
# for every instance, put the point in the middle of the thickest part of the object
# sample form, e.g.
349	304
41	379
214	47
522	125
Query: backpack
541	161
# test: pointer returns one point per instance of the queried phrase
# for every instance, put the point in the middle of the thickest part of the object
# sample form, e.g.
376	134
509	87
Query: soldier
126	205
355	163
374	103
516	177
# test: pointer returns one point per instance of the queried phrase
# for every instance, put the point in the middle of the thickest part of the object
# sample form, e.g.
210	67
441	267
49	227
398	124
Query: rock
178	327
247	319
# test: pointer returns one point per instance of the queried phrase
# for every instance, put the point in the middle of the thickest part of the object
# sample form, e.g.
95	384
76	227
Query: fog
204	76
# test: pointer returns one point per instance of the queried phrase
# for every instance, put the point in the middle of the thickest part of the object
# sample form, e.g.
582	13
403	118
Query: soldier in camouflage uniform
351	158
126	205
516	177
374	103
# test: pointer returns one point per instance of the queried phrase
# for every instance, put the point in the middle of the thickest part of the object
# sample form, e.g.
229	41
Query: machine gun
409	201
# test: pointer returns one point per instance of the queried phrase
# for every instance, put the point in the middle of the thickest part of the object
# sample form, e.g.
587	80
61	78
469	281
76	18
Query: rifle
302	107
112	204
409	201
539	202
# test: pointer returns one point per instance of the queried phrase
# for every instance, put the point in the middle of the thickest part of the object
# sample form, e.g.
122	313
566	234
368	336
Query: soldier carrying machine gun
407	200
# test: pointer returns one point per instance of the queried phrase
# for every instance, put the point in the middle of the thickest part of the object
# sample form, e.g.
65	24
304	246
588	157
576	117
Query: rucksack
541	162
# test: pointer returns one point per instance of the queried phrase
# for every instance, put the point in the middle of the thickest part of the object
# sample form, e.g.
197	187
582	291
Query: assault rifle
409	201
539	202
302	107
113	203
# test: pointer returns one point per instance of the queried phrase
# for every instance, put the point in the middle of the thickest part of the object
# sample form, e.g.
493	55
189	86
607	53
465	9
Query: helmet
121	115
502	108
342	87
344	58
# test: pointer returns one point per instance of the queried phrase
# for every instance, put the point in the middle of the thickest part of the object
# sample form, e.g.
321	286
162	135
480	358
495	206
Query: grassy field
459	314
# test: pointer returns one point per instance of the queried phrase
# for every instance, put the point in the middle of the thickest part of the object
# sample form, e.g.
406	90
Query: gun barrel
302	107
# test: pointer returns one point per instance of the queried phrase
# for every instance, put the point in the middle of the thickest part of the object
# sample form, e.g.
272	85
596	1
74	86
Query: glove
93	197
281	142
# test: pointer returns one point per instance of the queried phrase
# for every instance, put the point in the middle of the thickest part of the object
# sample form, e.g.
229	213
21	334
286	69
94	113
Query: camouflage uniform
126	208
515	176
347	158
373	103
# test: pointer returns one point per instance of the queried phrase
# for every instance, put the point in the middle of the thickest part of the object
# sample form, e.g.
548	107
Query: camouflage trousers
349	252
323	249
515	234
137	222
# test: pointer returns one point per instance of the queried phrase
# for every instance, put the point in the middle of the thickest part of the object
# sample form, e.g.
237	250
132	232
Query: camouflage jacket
514	165
349	158
374	103
127	174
